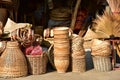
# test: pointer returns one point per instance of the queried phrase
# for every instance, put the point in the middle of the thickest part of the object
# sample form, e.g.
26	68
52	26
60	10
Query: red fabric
37	50
28	50
33	50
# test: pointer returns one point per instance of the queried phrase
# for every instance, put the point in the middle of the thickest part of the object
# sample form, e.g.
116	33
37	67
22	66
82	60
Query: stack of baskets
78	54
101	51
61	48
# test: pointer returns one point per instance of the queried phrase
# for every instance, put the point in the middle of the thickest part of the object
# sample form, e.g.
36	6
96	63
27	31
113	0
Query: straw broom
114	5
107	25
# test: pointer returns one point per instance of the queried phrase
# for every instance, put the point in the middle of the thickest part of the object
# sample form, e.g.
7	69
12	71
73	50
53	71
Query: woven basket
13	62
78	64
102	64
100	48
37	63
2	46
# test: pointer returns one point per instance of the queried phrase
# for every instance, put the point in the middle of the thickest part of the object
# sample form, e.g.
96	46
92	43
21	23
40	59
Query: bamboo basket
37	63
102	64
79	64
12	61
2	46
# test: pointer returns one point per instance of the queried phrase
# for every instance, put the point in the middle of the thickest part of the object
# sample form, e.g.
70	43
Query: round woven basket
102	64
37	63
100	48
13	61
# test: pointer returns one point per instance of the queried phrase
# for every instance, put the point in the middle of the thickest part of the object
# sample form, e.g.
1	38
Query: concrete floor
90	74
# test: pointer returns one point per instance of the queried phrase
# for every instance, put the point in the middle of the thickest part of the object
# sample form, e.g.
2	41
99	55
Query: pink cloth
33	50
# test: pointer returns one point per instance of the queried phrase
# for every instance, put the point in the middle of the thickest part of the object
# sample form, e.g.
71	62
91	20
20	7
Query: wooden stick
75	14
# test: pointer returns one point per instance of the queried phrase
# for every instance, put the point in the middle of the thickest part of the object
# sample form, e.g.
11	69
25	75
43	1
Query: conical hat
12	26
9	26
90	35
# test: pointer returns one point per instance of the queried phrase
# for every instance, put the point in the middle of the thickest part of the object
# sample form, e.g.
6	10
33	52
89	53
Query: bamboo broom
108	25
114	5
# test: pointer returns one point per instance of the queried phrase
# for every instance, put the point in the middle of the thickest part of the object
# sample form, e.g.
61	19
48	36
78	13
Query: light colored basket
37	63
2	46
78	64
102	64
13	62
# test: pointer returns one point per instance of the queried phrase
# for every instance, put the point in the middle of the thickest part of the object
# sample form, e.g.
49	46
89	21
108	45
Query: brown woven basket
102	64
13	62
37	63
78	64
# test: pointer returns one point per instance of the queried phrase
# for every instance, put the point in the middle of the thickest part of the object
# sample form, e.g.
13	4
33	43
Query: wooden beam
75	14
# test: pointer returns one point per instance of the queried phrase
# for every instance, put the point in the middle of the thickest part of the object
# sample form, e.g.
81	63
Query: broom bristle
108	25
114	5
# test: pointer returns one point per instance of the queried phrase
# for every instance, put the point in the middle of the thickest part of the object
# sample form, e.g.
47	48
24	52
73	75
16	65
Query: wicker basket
78	64
2	46
37	63
13	62
102	64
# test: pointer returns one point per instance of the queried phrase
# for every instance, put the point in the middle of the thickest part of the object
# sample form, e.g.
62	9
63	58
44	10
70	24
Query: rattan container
102	64
79	64
37	64
13	62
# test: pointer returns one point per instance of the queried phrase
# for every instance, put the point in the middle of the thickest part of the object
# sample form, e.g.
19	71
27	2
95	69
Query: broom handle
75	14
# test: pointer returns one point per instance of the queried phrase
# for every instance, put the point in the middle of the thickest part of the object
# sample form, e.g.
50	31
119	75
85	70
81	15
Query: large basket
78	64
102	64
13	62
37	64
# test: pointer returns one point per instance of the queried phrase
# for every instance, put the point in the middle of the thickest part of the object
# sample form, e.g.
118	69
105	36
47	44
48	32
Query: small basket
102	64
37	64
78	64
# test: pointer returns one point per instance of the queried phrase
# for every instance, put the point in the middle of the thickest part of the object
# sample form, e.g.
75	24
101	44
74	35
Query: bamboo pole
75	14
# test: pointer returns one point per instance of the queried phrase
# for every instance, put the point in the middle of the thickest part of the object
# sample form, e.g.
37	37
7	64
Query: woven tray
37	64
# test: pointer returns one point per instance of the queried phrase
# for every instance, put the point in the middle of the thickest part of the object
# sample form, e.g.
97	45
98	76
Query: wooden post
75	14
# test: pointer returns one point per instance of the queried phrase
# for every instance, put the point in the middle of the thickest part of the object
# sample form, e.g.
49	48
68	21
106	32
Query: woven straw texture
13	62
2	46
37	63
102	64
78	64
100	48
77	46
